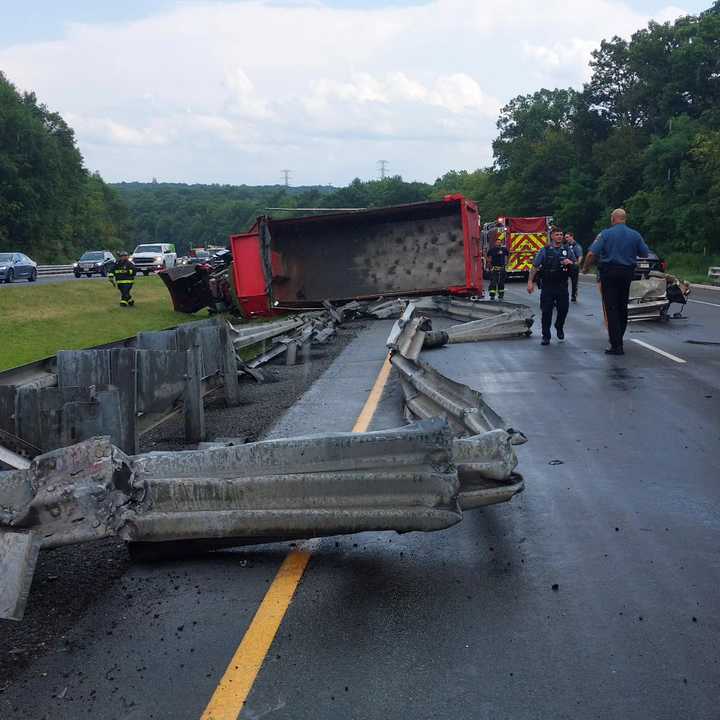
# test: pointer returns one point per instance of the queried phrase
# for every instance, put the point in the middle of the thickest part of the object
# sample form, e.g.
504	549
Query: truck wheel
33	276
89	274
10	276
77	275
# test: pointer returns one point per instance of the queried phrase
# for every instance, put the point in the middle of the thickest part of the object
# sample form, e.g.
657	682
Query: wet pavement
593	594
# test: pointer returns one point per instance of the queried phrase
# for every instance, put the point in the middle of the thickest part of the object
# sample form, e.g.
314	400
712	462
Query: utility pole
286	175
382	166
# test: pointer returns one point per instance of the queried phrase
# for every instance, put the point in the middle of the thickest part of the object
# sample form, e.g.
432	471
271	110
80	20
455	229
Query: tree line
51	207
642	133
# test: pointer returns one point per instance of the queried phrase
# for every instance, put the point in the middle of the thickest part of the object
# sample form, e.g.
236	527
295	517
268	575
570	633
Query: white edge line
675	358
703	302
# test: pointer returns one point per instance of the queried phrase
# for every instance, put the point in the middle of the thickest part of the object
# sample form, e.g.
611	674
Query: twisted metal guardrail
459	455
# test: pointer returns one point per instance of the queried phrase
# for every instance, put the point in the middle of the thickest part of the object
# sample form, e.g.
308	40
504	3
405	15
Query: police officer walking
616	250
574	271
553	263
497	260
122	276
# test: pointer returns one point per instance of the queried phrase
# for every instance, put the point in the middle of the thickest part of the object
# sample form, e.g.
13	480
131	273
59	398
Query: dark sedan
16	266
653	261
94	261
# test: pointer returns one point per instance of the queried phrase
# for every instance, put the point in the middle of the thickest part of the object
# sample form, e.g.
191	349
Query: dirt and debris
55	605
261	403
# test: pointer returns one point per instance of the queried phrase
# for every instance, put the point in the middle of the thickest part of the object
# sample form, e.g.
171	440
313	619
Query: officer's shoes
123	303
131	303
614	351
560	336
545	341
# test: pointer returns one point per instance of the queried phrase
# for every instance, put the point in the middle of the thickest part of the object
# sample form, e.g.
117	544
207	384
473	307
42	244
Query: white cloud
232	92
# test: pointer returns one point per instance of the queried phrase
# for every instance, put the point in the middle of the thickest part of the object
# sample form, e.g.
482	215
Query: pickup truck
154	257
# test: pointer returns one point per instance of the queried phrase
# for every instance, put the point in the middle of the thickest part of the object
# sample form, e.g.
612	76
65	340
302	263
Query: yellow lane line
371	404
235	685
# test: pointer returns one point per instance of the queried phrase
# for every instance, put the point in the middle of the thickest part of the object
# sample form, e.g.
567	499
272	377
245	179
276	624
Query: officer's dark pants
125	290
497	281
615	287
551	298
574	273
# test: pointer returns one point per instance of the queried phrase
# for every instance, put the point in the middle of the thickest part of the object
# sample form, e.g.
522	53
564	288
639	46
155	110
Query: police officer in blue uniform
616	250
571	244
552	263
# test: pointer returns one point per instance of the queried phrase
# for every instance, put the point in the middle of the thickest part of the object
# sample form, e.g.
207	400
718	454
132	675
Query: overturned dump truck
417	249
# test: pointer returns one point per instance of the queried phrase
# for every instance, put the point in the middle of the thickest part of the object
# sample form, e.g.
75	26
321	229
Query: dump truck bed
421	248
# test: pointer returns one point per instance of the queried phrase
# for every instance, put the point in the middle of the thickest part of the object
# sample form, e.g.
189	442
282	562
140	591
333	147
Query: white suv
151	258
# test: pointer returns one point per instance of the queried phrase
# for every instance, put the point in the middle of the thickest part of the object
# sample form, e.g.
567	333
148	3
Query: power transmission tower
286	175
382	166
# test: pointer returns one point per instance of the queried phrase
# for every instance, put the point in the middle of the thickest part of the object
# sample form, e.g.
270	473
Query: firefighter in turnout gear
497	258
122	276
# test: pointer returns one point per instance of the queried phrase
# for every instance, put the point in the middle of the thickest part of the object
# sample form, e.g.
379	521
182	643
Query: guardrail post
193	409
291	356
229	365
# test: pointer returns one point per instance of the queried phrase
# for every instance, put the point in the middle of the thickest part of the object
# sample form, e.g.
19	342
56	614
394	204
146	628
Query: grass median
692	267
36	321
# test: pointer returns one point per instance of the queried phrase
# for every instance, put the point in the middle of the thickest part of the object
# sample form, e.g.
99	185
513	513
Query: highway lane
620	511
49	280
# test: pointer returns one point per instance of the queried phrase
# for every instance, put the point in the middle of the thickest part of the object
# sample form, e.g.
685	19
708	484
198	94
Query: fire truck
523	237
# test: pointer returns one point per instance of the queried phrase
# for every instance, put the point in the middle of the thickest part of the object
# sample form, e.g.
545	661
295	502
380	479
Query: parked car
643	266
14	266
151	258
199	258
94	261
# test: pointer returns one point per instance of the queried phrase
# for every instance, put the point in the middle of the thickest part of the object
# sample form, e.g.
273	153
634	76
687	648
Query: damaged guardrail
121	392
428	393
403	479
290	337
459	455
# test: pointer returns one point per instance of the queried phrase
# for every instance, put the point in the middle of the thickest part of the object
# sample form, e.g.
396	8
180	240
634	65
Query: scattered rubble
420	477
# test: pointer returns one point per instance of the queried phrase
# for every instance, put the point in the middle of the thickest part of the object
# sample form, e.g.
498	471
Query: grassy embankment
37	321
690	266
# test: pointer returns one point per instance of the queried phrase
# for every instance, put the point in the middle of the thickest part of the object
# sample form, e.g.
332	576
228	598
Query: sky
235	91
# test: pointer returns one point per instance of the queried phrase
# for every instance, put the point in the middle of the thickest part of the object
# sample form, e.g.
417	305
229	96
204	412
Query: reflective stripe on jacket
124	273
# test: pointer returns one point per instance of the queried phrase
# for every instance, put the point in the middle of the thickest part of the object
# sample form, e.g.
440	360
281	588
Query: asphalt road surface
594	594
49	280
